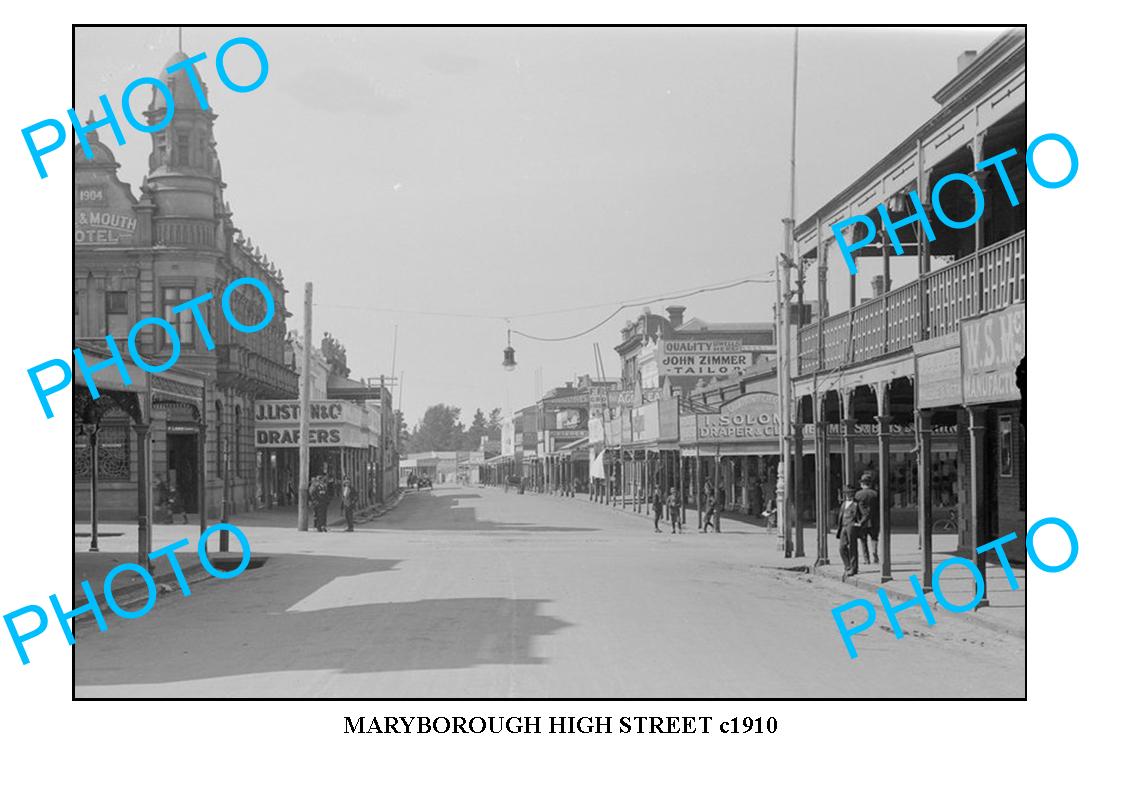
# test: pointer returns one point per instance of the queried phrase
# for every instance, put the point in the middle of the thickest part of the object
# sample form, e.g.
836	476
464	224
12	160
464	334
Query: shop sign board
688	429
266	412
746	417
596	431
939	378
331	424
992	346
713	357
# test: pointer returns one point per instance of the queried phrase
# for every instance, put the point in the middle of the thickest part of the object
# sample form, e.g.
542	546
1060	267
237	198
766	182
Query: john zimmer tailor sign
706	357
752	416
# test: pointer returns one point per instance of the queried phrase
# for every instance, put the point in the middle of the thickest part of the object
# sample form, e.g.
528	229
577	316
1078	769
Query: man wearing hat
869	517
848	516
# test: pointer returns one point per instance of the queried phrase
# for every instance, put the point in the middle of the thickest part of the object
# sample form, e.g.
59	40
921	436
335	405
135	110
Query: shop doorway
183	469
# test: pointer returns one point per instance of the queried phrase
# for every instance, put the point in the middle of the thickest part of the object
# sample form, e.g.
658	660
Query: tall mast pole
783	502
305	409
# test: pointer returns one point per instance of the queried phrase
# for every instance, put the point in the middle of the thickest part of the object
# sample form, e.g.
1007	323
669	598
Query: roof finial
180	39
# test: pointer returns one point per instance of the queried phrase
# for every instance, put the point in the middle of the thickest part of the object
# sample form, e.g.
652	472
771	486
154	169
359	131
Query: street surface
473	592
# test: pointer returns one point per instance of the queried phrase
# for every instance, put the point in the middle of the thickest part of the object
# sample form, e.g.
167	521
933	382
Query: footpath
1005	612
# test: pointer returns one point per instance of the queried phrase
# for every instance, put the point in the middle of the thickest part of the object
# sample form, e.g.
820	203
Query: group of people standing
858	522
713	501
319	498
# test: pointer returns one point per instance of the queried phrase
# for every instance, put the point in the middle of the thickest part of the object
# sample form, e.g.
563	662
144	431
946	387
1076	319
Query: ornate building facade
138	257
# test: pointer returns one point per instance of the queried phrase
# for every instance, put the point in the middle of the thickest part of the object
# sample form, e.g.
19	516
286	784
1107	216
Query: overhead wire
620	307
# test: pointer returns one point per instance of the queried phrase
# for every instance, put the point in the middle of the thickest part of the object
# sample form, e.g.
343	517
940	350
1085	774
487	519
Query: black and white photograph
550	362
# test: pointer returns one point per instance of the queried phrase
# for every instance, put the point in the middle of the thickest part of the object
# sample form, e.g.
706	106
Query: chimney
966	58
674	315
878	285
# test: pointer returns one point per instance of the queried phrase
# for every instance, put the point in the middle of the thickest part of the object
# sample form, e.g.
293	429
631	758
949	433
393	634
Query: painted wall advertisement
103	214
992	346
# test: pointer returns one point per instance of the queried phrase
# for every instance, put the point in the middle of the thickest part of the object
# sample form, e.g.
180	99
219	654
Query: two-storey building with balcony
916	384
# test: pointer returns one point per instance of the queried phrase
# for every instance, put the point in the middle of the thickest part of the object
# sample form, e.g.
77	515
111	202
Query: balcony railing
931	306
248	371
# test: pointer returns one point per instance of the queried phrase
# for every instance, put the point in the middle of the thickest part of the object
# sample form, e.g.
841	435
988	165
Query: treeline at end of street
441	429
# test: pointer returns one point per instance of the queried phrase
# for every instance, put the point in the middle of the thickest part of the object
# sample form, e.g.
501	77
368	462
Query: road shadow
244	626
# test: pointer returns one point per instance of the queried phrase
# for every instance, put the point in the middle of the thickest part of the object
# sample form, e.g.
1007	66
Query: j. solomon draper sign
752	416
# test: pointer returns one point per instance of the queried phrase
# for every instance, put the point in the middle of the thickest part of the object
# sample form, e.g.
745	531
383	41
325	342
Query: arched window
237	440
218	436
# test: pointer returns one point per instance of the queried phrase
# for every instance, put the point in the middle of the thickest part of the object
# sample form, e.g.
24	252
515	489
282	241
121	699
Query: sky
448	183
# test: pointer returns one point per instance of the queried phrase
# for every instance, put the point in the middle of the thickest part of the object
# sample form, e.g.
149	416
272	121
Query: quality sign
705	357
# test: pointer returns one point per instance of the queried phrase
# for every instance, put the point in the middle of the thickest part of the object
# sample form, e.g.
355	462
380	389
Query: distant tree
440	429
495	425
476	432
403	430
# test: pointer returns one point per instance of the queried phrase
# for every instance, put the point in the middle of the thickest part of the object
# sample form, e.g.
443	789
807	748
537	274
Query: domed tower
184	173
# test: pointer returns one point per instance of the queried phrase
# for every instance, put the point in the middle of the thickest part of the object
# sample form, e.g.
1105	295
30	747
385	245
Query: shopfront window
112	453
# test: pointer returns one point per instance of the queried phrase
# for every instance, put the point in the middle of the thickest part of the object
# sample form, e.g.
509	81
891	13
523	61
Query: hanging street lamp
509	354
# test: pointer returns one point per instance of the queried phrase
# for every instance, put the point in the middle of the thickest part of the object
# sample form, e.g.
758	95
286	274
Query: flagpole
784	500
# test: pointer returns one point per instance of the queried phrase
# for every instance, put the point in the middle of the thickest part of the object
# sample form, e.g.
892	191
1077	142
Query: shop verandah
881	390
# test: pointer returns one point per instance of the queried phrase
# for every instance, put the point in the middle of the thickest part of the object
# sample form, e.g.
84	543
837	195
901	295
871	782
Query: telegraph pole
789	262
305	409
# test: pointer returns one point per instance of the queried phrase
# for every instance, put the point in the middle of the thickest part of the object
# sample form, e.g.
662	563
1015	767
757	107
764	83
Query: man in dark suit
869	517
847	534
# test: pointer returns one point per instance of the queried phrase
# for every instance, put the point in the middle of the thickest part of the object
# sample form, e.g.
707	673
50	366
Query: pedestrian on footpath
674	506
657	508
848	516
175	499
349	499
868	516
318	496
708	503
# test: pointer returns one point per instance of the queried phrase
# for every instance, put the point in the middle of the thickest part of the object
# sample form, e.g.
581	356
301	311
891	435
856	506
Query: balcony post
884	520
980	273
977	417
144	528
924	496
886	287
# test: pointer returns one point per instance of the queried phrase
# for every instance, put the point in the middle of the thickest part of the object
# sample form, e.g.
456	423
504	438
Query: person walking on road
848	517
349	500
868	516
657	508
674	506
